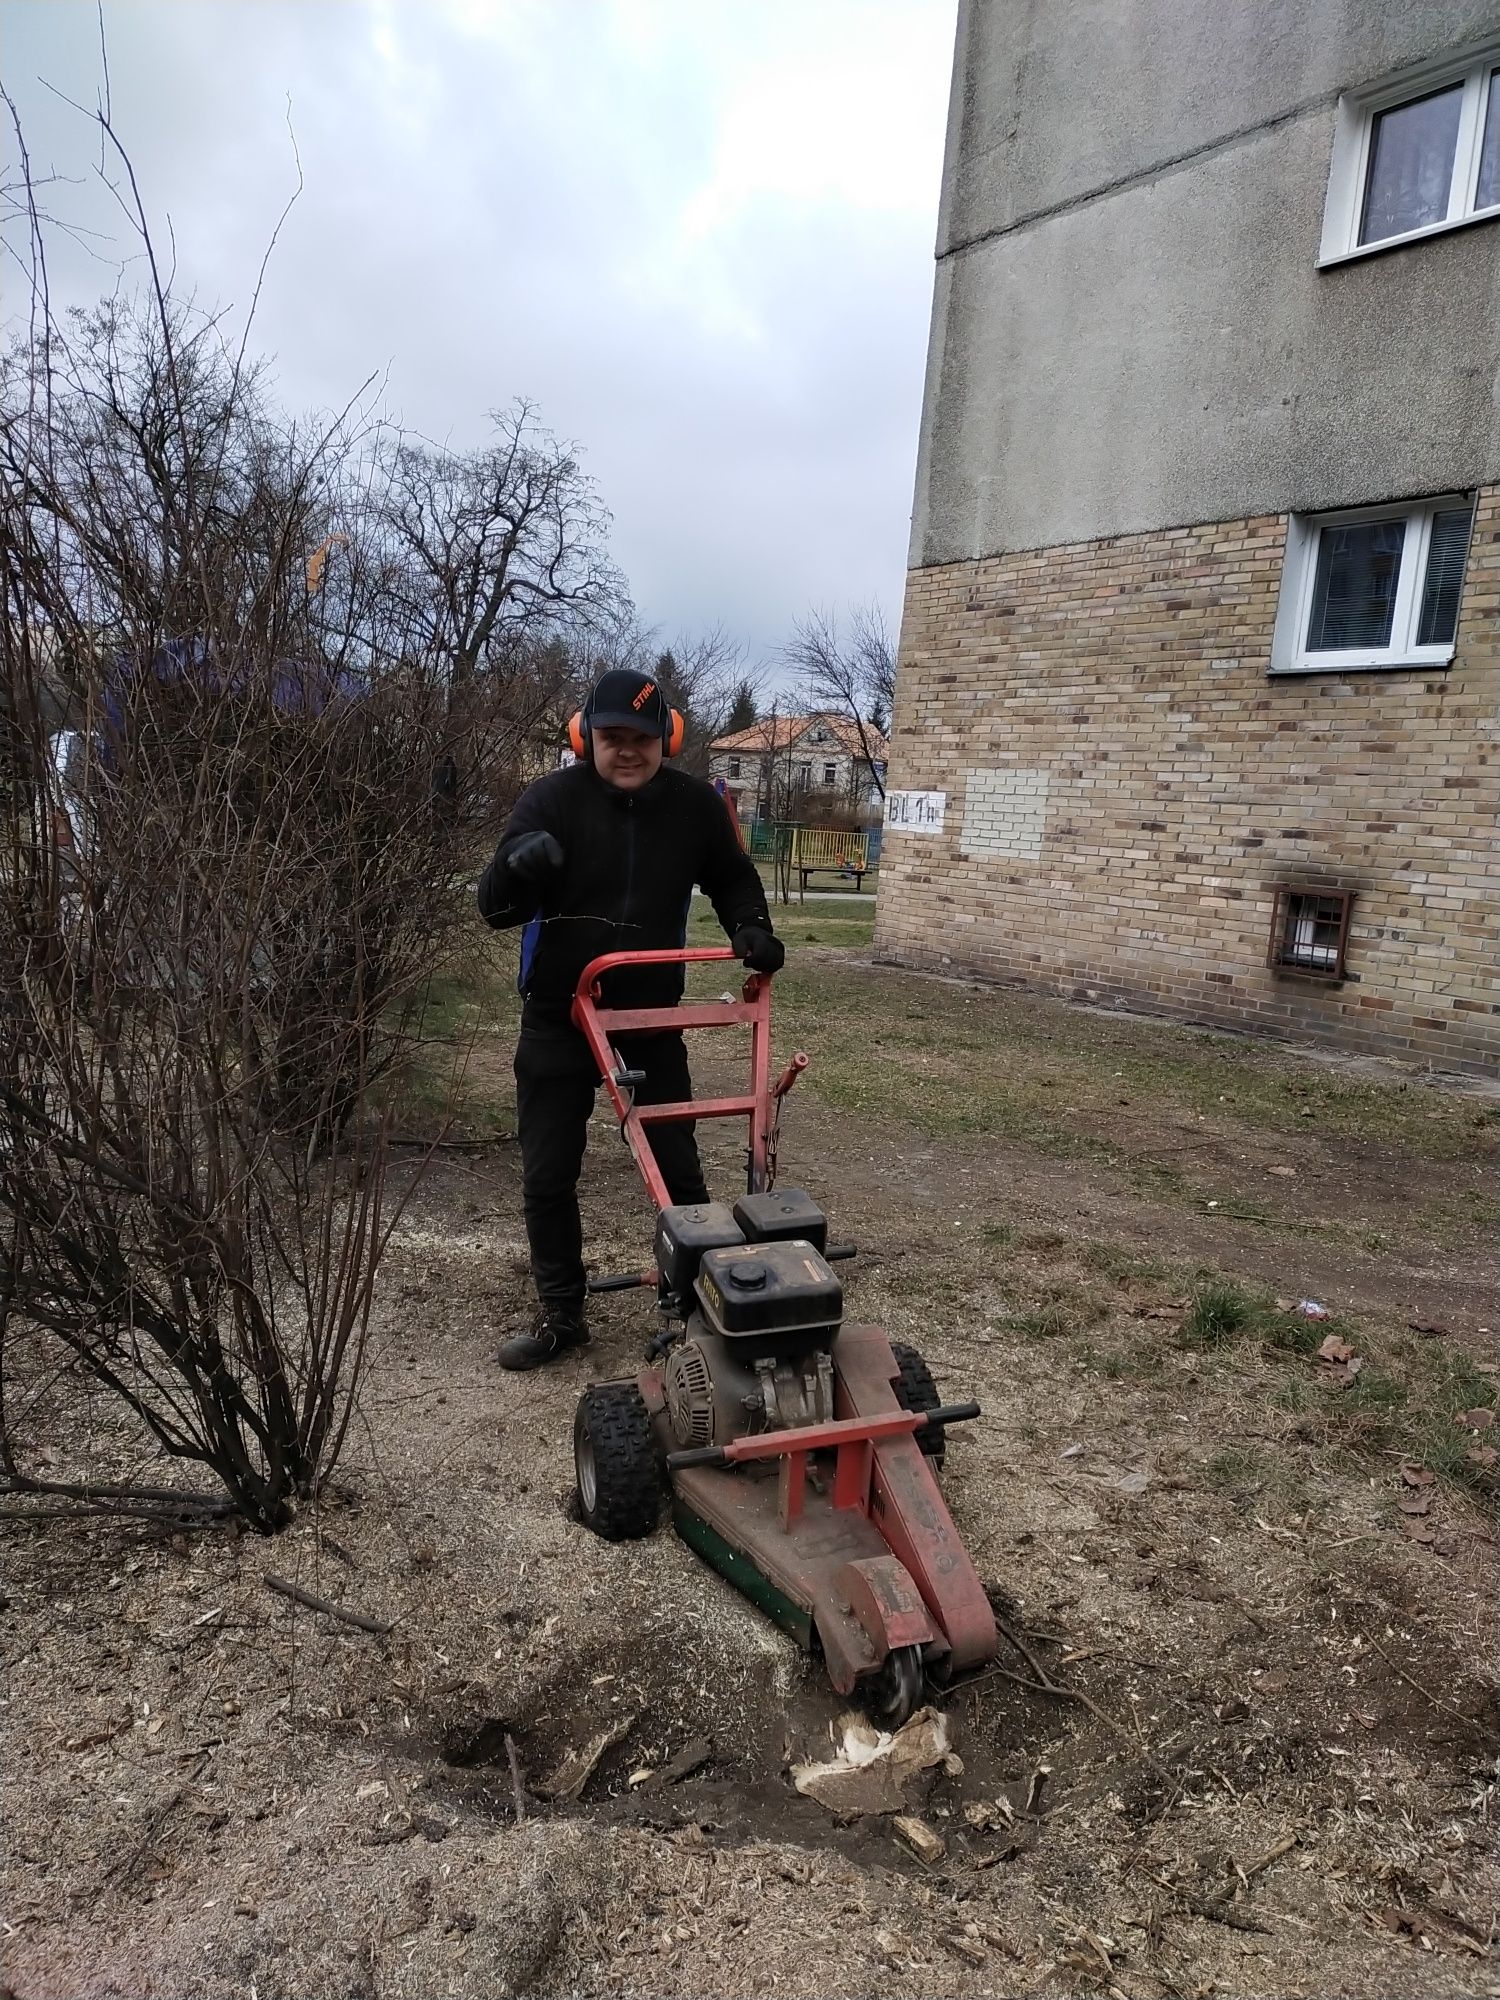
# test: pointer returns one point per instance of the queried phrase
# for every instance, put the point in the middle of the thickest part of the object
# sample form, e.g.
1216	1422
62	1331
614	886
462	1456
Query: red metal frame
759	1104
874	1555
849	1438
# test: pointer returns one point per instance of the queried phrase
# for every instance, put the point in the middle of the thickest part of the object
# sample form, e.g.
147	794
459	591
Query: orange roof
789	729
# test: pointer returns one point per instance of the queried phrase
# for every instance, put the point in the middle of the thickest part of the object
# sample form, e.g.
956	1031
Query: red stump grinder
801	1454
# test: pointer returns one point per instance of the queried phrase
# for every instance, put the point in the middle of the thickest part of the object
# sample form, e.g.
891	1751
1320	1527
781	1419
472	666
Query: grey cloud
496	204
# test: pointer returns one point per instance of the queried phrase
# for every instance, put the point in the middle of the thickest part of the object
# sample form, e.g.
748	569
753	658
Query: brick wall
1126	787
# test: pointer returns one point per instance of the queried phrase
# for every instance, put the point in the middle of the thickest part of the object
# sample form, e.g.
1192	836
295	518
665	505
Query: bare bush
266	688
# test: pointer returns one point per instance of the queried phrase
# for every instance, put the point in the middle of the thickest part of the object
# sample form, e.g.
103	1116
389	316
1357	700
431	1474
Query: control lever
717	1454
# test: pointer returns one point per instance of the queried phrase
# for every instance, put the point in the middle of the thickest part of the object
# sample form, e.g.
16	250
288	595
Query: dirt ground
1261	1758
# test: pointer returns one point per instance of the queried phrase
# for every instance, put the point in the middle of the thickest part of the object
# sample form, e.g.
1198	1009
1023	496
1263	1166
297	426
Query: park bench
829	851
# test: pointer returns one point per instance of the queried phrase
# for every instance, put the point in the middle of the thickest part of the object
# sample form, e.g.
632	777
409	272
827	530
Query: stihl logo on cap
644	696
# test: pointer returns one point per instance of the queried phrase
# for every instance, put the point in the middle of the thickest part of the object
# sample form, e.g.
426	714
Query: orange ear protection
579	725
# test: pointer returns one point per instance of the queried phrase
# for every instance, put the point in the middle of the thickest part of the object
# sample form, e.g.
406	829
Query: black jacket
630	862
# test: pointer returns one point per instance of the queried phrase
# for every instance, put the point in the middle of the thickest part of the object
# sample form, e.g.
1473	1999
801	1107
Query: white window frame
734	766
1289	653
1354	126
830	773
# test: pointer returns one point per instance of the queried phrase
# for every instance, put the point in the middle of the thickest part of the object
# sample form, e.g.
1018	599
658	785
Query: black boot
553	1332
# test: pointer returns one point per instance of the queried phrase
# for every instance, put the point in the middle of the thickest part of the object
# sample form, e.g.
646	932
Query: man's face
626	758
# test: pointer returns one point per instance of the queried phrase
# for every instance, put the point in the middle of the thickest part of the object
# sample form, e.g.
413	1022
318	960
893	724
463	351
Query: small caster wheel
616	1463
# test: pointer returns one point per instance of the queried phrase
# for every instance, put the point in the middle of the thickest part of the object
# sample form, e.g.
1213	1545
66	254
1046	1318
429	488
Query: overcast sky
698	233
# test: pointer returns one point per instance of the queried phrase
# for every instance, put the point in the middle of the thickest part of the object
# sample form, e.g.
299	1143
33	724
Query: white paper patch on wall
915	812
1005	815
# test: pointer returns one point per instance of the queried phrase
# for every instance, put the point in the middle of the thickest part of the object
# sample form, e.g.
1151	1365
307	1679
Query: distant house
773	767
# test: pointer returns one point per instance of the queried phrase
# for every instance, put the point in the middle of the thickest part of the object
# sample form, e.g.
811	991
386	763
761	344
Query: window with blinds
1443	578
1373	587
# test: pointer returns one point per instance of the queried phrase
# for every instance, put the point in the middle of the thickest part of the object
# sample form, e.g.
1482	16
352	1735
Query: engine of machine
716	1393
757	1352
683	1234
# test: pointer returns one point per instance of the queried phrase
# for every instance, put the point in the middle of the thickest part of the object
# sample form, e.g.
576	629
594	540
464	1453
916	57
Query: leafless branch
298	1595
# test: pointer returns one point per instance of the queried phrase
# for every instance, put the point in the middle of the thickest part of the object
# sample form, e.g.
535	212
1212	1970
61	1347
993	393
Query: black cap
625	699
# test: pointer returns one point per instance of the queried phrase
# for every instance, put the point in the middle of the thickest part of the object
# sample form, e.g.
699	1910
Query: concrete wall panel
1057	100
1175	355
1169	351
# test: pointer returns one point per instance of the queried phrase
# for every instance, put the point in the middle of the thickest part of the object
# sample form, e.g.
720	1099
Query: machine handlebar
698	954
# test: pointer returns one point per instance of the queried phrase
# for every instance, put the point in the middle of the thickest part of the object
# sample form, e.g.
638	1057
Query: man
603	857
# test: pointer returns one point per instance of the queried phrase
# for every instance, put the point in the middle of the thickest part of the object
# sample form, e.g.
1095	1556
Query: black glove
534	858
758	948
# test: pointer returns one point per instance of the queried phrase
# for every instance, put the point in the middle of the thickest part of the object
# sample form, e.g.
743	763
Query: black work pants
556	1078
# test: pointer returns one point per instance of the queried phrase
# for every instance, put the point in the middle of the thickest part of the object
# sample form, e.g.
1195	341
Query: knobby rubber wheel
916	1390
616	1463
893	1693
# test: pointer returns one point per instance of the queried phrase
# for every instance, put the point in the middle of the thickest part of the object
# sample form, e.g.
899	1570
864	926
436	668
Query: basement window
1310	932
1415	158
1372	587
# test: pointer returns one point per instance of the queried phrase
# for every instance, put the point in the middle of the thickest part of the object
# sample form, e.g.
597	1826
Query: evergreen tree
743	714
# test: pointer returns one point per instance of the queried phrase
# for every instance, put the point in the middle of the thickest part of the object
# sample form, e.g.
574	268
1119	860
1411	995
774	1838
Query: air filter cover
784	1215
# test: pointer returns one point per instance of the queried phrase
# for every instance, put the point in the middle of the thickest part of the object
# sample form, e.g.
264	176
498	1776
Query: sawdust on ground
1282	1780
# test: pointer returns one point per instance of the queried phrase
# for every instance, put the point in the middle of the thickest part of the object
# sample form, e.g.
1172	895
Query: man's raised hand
535	859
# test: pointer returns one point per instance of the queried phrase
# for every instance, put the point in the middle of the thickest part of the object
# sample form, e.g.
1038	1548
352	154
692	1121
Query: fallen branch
1061	1691
120	1510
94	1737
88	1489
1426	1693
300	1596
156	1819
455	1145
1263	1861
517	1790
1213	1912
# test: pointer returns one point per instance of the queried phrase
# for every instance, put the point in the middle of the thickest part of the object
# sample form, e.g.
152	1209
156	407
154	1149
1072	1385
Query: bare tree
496	548
850	673
703	676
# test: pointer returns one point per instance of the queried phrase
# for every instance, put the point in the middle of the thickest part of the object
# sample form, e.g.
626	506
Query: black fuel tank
770	1297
